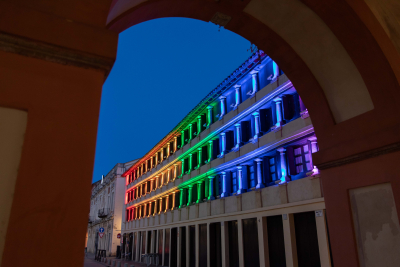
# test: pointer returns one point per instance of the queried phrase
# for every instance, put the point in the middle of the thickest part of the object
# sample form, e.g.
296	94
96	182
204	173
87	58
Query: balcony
103	213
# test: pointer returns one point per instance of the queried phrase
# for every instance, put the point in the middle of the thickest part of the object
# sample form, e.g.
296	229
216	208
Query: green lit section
199	157
210	150
198	125
181	197
190	163
190	132
182	138
190	192
209	116
211	188
199	189
182	168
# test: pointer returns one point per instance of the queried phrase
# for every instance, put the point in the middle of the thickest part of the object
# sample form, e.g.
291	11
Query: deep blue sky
164	68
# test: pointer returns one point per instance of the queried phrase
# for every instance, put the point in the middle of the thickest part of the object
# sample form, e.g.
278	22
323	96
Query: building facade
234	183
106	207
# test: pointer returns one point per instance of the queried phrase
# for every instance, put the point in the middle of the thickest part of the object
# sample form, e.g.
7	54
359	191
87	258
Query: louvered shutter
291	160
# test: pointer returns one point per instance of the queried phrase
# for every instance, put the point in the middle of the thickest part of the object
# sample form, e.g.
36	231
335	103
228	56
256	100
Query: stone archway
61	52
345	75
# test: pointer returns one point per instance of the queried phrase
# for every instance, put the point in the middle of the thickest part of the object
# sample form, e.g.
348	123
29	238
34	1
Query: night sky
164	68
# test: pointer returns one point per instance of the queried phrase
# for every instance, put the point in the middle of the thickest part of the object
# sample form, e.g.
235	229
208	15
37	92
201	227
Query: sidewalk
90	262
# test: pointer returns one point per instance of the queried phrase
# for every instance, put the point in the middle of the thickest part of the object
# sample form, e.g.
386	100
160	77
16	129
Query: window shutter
195	159
179	141
230	140
296	105
245	177
266	177
273	113
228	183
203	122
255	174
216	148
216	111
245	128
264	125
206	190
291	160
288	107
278	172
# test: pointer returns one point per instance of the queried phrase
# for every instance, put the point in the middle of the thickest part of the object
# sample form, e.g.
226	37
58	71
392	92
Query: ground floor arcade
290	235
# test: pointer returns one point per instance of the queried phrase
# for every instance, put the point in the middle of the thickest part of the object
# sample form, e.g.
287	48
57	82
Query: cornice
53	53
360	156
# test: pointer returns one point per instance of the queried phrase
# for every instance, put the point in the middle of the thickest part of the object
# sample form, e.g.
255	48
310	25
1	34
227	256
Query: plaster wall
376	225
12	130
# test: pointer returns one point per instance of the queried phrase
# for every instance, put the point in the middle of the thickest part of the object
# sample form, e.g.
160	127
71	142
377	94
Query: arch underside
337	66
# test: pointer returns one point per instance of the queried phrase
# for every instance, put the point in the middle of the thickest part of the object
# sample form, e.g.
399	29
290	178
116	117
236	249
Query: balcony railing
103	213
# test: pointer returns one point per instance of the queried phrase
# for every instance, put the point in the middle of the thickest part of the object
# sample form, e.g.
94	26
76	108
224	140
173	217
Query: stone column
240	180
256	125
259	176
162	179
166	203
175	171
255	85
168	149
278	102
211	188
168	176
156	159
224	185
238	96
238	137
144	210
182	168
190	132
190	162
160	209
222	139
173	200
314	147
151	185
199	125
199	190
284	178
209	116
181	197
276	70
155	207
289	236
182	138
150	205
190	191
199	157
162	155
175	144
157	183
223	106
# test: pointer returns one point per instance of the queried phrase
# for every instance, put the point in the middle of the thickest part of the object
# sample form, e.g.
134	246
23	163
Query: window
272	168
220	183
302	154
252	176
234	182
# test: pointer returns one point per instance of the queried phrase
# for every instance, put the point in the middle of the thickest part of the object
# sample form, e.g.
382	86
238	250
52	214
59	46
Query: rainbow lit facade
248	134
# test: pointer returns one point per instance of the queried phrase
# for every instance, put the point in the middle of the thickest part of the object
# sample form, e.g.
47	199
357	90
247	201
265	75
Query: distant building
106	207
233	184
